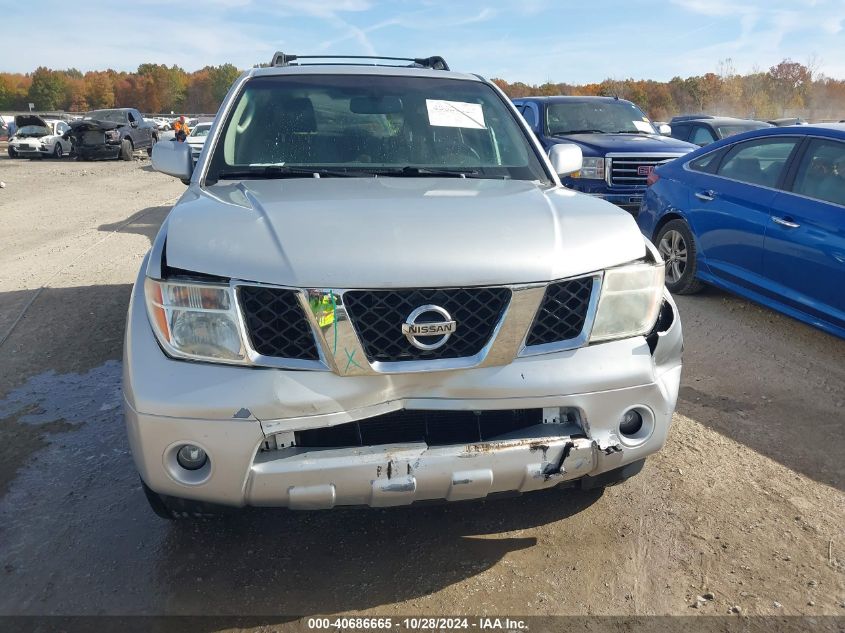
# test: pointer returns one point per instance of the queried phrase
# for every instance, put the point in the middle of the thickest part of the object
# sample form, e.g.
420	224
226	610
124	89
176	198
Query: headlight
592	168
630	301
195	321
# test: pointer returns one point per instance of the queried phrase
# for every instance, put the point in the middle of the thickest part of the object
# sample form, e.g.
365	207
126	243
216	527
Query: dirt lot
746	501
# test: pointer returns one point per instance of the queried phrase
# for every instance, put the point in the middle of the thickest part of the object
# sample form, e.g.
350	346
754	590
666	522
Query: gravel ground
742	510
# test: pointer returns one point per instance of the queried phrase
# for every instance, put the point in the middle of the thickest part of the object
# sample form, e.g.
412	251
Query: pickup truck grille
378	315
632	171
563	313
275	323
93	137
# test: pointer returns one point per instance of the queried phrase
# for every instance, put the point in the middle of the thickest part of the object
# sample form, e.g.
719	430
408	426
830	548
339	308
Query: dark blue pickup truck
620	145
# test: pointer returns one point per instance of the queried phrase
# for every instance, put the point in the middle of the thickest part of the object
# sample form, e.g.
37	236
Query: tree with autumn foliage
788	88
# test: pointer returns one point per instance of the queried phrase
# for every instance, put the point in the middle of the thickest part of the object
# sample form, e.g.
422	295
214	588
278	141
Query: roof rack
434	62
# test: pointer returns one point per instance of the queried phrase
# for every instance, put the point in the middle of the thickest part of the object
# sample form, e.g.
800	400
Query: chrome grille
632	171
378	316
275	323
563	312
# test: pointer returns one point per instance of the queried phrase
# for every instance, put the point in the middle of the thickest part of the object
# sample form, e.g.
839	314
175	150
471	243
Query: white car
161	123
196	139
36	137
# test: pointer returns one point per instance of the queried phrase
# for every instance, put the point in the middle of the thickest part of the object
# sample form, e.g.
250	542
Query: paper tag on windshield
643	126
455	114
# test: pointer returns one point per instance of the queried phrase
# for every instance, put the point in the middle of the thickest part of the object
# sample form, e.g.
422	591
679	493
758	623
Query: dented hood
81	125
396	232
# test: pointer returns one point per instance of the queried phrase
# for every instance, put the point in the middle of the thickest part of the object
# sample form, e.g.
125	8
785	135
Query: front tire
126	149
677	247
58	152
13	153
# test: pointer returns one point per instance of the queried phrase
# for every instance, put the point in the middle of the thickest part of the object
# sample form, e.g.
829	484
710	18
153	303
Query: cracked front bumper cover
382	476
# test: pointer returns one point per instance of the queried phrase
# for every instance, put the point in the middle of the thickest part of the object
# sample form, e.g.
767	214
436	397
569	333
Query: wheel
126	149
677	247
152	144
13	153
58	152
174	508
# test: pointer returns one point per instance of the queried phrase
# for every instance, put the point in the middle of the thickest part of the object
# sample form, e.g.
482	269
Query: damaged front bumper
253	423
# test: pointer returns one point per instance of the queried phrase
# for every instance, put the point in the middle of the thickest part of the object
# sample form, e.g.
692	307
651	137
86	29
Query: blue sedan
761	214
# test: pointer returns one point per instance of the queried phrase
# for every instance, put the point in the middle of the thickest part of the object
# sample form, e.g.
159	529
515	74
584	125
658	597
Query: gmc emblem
645	170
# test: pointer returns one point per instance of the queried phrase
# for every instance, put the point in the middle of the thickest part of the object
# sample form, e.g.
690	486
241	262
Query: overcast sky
528	40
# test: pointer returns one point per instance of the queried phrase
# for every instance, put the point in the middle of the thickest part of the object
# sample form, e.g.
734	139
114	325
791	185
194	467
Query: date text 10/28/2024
418	624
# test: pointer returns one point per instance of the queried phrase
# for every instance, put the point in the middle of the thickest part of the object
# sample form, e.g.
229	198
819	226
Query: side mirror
665	129
566	158
173	159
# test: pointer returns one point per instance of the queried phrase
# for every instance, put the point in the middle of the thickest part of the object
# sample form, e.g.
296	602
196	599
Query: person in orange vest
182	129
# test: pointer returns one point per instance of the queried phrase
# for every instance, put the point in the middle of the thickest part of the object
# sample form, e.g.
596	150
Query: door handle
707	196
784	222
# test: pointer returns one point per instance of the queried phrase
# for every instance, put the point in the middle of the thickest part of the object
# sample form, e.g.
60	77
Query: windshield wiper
633	132
565	132
287	171
432	172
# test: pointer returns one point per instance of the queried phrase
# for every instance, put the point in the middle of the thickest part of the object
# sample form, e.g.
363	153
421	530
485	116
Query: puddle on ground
73	398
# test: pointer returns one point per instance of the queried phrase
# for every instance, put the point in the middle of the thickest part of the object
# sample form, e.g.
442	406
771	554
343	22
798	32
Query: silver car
375	291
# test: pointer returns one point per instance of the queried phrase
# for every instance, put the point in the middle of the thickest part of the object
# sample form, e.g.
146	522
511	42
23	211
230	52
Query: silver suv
375	291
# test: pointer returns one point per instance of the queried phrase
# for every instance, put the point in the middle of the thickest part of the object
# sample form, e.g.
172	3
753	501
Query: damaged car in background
110	134
36	137
375	291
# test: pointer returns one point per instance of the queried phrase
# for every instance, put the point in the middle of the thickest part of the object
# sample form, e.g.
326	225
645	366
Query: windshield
596	117
114	116
729	130
201	130
33	130
374	125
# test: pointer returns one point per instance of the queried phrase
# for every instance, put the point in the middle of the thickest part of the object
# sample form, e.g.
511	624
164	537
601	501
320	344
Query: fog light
631	423
191	457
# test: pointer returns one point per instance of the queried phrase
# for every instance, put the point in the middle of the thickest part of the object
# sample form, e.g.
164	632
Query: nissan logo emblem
440	330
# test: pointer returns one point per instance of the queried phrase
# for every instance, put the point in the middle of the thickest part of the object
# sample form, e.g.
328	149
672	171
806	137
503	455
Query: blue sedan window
758	162
821	174
706	163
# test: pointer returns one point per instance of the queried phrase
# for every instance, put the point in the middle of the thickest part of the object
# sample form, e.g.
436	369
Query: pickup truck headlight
592	168
196	321
630	301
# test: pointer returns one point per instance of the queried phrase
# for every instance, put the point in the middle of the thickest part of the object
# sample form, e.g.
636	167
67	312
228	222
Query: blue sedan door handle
707	196
787	222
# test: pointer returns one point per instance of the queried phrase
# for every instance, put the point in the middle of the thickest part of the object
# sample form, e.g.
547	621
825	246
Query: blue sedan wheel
673	248
677	248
